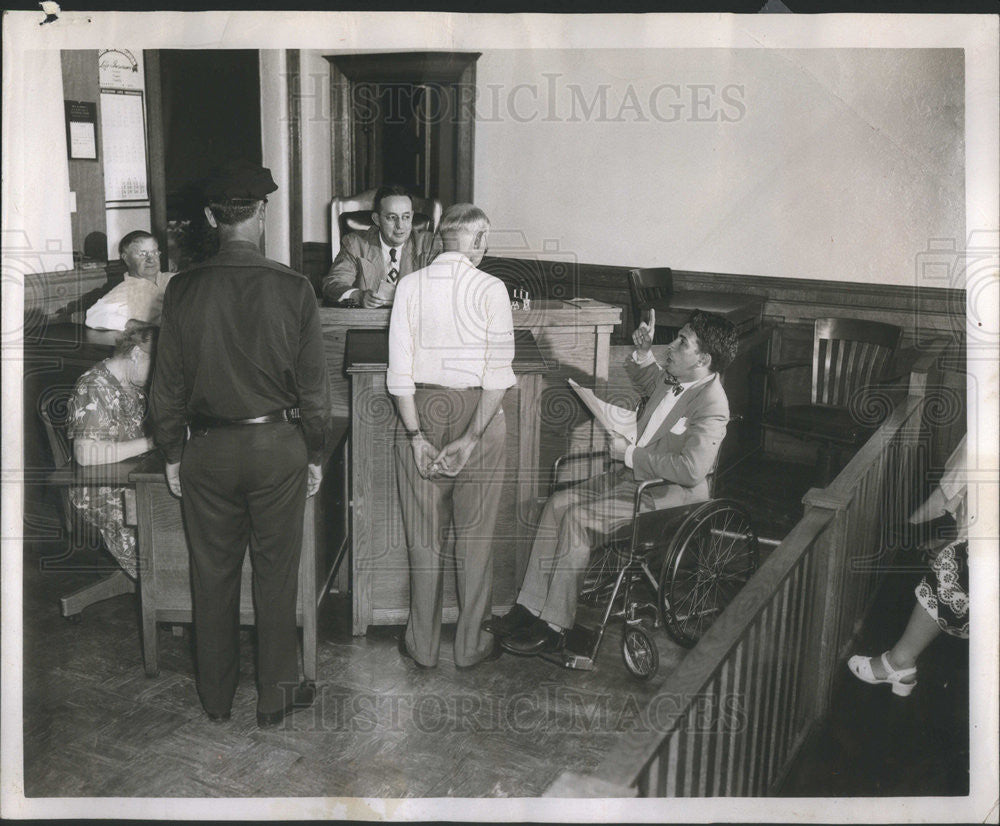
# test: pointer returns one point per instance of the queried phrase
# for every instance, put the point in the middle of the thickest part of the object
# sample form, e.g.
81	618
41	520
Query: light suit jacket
360	263
685	445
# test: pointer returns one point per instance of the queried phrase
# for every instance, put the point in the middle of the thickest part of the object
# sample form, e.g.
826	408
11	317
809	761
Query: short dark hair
716	337
136	334
235	210
131	238
389	191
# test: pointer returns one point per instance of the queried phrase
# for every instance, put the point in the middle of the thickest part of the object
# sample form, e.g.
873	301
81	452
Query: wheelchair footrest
568	659
580	650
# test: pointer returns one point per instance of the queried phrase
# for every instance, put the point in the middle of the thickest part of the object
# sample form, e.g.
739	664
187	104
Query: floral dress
944	594
103	408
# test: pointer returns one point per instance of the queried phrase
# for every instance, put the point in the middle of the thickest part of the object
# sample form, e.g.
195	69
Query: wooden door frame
411	67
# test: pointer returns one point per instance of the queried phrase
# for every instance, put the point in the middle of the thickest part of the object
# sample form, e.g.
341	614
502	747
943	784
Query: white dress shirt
451	325
662	410
135	297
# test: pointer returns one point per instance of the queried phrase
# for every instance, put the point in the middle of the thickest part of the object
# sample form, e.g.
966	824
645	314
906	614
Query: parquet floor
95	725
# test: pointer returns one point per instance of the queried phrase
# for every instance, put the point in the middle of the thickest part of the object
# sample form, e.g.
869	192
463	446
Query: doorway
405	118
207	112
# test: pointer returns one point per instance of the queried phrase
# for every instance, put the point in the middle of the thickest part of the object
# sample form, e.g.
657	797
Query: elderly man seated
140	295
680	431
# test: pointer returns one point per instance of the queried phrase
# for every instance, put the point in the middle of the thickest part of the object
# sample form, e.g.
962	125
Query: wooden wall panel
86	178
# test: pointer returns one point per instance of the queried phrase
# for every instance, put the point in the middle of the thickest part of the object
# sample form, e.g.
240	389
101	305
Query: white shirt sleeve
403	330
498	372
111	311
642	360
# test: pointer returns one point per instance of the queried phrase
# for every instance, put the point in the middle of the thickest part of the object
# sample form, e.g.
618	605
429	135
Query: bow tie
672	383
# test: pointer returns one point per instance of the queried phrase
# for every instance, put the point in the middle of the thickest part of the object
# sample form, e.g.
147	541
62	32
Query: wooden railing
731	718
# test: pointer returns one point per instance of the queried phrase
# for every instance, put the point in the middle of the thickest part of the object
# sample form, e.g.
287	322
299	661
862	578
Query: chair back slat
650	284
848	355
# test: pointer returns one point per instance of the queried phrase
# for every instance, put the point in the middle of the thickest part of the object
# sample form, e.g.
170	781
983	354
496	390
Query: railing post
831	550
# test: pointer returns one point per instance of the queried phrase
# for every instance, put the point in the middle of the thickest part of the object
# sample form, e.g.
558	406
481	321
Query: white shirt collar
386	247
452	255
687	385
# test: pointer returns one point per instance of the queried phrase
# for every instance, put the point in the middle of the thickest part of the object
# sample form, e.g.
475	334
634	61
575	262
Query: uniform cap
241	180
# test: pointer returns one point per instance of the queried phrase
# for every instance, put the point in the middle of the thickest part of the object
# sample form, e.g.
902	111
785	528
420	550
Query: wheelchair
705	552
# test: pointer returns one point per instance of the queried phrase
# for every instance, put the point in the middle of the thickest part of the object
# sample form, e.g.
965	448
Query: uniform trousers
573	521
469	502
245	485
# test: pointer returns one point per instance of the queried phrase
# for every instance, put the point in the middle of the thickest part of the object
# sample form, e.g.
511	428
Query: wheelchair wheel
639	652
711	558
601	573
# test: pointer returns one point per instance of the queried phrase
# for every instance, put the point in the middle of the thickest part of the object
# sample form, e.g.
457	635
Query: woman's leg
921	630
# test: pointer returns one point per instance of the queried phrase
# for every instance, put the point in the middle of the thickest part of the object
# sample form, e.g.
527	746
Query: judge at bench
140	295
680	431
370	263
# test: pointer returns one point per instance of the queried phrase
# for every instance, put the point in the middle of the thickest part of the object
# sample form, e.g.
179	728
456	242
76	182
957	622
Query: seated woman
106	414
942	596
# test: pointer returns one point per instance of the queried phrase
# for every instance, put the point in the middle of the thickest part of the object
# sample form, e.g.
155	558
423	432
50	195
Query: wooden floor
95	725
876	744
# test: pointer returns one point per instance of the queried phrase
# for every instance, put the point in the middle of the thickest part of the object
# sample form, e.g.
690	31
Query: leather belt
424	386
203	423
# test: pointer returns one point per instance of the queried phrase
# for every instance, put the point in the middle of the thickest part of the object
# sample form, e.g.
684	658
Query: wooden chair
354	214
112	585
648	287
849	356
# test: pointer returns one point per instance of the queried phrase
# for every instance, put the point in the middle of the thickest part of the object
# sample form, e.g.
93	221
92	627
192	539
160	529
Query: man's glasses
147	254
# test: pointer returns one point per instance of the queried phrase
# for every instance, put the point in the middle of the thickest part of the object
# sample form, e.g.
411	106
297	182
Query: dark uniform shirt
240	337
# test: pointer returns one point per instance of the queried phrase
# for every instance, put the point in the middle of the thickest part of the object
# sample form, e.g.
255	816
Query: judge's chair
682	565
52	412
354	214
849	356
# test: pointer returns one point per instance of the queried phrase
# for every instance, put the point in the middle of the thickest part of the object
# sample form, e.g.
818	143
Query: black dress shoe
303	696
493	654
220	717
540	638
404	652
514	620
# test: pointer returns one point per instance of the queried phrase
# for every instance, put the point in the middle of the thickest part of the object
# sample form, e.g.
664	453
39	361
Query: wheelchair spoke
714	557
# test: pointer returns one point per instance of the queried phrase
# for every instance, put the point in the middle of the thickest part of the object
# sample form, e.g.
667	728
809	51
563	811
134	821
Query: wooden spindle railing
731	718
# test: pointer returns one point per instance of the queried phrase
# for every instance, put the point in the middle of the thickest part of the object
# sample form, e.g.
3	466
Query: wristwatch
412	434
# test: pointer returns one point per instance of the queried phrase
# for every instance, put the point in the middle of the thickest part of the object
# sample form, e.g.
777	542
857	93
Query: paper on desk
386	290
615	419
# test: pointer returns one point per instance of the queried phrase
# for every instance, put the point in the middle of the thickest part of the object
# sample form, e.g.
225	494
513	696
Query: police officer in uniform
240	362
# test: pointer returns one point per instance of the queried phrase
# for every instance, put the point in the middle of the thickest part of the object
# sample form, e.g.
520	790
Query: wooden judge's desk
555	340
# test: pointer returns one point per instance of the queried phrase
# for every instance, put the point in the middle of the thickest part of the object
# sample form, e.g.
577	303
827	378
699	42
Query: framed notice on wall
123	136
81	129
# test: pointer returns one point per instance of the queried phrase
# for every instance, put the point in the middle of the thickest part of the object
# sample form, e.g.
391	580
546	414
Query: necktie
672	383
393	269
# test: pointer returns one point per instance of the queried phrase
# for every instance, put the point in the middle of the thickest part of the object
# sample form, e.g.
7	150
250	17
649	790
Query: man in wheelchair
680	430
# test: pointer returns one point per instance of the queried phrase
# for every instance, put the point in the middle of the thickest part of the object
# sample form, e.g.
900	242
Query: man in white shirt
680	432
370	263
451	348
140	295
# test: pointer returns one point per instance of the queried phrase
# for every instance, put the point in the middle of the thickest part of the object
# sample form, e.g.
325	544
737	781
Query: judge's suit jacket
360	263
685	445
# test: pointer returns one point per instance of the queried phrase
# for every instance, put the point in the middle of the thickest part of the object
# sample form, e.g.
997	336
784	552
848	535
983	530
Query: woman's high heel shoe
901	682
